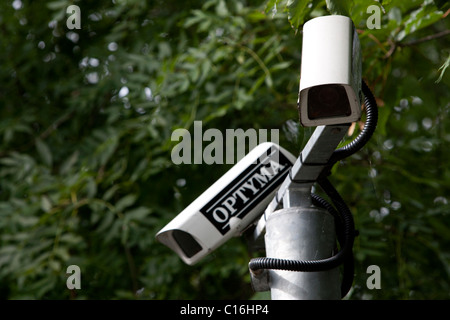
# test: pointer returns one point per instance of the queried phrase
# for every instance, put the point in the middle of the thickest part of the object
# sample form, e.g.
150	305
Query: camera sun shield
230	205
330	79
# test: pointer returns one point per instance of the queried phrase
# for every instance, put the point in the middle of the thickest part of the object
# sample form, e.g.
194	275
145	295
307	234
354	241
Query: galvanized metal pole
302	232
296	230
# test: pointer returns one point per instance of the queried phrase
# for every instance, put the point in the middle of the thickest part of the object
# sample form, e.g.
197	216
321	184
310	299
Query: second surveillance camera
330	80
230	205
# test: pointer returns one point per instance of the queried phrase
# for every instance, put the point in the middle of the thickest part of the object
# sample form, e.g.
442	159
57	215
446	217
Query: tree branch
394	45
424	39
55	125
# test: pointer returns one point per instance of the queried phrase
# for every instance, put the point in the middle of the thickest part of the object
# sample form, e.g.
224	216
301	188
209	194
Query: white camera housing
230	205
330	80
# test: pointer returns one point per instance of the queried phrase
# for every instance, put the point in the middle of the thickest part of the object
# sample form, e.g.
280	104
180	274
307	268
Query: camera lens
328	101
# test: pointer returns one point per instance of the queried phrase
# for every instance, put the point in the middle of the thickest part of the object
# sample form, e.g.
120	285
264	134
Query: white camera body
330	80
230	205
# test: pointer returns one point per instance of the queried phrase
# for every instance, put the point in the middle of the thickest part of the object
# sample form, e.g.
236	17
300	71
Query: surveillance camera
330	80
230	205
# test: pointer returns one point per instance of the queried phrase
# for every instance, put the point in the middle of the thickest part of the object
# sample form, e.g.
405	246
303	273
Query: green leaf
340	7
110	192
44	152
106	222
281	66
271	6
137	214
268	80
221	9
419	19
197	18
125	202
108	146
58	5
69	163
296	10
46	204
90	187
443	68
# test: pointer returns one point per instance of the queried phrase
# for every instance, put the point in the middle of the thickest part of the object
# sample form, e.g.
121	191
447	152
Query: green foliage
339	7
86	117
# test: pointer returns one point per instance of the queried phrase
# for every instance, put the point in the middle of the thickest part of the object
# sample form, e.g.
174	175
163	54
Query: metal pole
301	232
296	230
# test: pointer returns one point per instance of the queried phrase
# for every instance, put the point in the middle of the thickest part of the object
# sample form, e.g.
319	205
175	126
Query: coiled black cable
343	214
367	132
322	264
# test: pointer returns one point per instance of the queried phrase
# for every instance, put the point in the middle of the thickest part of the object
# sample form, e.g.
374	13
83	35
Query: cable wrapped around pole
322	264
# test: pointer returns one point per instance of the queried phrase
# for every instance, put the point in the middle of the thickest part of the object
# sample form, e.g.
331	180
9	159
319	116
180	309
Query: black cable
348	264
348	236
322	203
367	132
322	264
